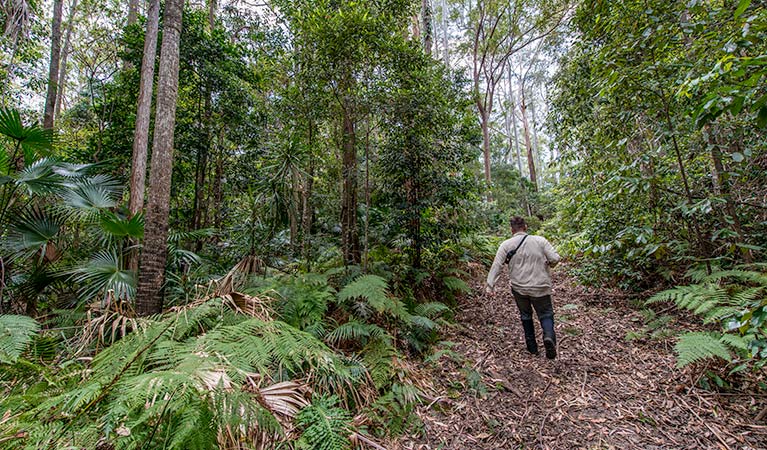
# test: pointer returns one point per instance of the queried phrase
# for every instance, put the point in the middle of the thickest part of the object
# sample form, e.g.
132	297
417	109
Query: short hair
517	223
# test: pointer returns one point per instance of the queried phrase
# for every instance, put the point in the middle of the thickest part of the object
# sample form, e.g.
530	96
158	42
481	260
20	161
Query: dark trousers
526	304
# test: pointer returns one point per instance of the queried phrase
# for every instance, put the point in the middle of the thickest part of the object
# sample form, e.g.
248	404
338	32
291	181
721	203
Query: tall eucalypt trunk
154	254
143	111
53	72
528	144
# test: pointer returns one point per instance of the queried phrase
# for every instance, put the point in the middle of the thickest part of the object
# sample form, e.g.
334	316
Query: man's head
518	224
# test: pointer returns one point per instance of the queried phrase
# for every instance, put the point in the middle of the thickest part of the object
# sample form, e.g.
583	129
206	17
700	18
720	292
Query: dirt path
603	392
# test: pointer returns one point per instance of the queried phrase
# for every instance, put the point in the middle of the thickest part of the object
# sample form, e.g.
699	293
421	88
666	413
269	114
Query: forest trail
602	392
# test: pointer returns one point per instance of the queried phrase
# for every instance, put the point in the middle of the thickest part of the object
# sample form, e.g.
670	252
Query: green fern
325	426
184	380
694	347
375	291
454	284
735	299
357	331
16	333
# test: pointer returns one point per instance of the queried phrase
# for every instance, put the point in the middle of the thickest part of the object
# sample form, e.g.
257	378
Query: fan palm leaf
104	273
31	136
32	232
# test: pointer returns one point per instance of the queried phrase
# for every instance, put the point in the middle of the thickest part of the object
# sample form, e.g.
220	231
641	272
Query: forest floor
603	391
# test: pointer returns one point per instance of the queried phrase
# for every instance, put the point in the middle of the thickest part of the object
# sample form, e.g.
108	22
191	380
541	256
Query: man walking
529	259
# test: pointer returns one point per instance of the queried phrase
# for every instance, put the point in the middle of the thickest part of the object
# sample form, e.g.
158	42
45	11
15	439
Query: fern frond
16	333
431	310
739	275
356	331
454	284
374	290
696	346
734	341
378	357
326	426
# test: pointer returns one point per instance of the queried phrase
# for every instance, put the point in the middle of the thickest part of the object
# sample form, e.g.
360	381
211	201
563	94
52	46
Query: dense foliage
658	115
337	169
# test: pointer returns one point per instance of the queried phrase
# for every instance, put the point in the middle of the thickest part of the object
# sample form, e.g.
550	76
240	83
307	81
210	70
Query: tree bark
350	242
144	110
534	129
306	207
64	58
445	47
153	258
53	69
132	11
528	144
212	10
427	26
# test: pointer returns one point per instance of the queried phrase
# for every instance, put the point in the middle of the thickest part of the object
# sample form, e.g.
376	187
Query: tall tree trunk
144	110
484	120
445	46
153	257
212	11
534	128
428	29
218	191
132	11
64	58
513	107
528	144
306	206
53	69
143	118
350	242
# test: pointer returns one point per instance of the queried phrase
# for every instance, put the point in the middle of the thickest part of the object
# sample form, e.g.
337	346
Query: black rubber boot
529	327
549	338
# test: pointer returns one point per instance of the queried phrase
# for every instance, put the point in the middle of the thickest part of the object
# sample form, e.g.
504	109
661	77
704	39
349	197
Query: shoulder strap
514	252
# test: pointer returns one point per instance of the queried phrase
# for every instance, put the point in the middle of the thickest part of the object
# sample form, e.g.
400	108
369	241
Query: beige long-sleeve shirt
529	268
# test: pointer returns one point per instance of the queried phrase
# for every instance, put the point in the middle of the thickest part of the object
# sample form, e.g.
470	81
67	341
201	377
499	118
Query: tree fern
16	333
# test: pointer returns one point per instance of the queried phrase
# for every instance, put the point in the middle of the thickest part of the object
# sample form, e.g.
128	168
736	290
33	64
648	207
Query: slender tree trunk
144	110
484	119
721	189
143	118
53	69
534	128
64	58
528	144
132	11
212	11
153	258
427	26
218	191
294	211
445	46
704	249
349	237
513	106
306	206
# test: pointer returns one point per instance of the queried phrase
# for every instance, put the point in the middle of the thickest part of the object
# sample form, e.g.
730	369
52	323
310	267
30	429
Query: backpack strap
514	252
